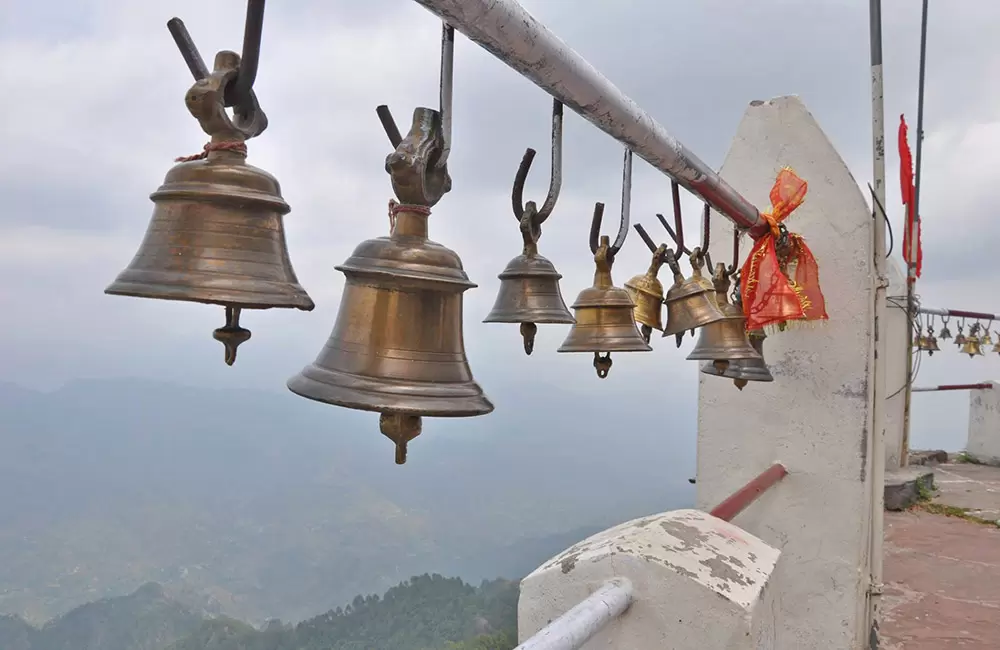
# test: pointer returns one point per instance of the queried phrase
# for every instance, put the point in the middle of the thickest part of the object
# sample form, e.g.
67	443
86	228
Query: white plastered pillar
815	417
897	331
984	425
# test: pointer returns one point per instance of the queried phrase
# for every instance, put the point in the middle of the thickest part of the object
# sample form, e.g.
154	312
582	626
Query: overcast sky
93	116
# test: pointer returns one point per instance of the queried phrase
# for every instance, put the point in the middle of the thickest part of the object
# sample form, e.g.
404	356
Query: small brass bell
996	346
397	345
945	332
690	303
986	340
604	317
217	233
930	343
960	338
725	340
529	286
646	291
742	371
971	347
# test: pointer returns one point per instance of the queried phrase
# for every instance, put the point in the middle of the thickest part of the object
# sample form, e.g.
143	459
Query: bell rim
551	319
224	298
471	402
349	269
713	355
762	376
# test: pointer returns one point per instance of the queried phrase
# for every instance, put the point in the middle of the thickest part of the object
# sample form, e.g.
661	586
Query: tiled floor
942	574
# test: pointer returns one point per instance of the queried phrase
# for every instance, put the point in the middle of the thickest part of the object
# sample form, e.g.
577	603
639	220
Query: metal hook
677	232
595	224
736	250
645	237
188	49
555	180
447	74
706	233
238	93
447	82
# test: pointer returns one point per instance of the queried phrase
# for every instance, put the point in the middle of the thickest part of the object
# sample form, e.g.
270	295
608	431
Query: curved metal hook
447	77
238	93
595	224
736	251
555	180
706	233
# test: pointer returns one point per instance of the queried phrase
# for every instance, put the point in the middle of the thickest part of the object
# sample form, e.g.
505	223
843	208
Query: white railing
577	626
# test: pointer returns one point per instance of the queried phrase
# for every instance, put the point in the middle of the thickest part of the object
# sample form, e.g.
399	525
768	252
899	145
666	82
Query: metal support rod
739	500
514	36
877	441
577	626
958	313
932	389
912	224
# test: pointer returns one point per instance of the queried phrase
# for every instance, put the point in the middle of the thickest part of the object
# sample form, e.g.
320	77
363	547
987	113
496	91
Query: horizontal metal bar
577	626
958	313
931	389
508	32
749	493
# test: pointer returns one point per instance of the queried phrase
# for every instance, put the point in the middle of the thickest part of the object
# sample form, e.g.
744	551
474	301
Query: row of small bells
217	236
972	345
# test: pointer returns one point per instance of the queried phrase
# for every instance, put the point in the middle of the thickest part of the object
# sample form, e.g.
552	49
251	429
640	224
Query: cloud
94	118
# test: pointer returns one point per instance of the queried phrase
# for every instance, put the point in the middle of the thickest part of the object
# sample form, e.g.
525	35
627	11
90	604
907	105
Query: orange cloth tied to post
777	290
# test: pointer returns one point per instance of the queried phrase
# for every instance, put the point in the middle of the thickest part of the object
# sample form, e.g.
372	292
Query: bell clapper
231	334
602	364
647	332
528	331
400	429
740	383
721	365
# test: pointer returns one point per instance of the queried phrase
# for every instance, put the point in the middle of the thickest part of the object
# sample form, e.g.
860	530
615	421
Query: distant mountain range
424	613
263	505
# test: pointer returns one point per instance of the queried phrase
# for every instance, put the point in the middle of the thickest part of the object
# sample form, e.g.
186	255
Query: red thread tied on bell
779	287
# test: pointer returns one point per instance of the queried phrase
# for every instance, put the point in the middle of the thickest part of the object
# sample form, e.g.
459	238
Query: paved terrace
942	565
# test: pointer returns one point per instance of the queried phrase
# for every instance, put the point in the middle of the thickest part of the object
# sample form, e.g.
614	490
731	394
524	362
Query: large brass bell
690	304
397	345
725	340
742	371
646	291
529	286
217	233
972	347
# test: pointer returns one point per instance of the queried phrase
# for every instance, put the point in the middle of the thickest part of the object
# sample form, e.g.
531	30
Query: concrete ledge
904	487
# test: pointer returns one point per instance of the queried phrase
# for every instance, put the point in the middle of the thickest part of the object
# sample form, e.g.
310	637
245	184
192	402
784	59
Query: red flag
908	191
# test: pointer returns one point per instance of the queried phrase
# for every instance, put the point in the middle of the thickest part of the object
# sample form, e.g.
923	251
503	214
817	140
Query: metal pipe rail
577	626
511	34
931	389
742	498
958	313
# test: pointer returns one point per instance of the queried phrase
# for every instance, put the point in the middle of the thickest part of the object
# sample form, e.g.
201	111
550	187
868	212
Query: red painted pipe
749	493
929	389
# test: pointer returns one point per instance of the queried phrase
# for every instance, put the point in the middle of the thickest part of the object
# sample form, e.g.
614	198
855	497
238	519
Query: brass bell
217	232
960	337
690	303
929	343
397	345
646	291
529	286
742	371
945	332
725	340
986	340
996	346
971	347
604	317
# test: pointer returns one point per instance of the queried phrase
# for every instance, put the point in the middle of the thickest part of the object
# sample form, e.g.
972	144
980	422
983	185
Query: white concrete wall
815	417
897	331
984	425
699	583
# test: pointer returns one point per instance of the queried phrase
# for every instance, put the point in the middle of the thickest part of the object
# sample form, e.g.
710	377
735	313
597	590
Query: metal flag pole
504	29
912	226
877	455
